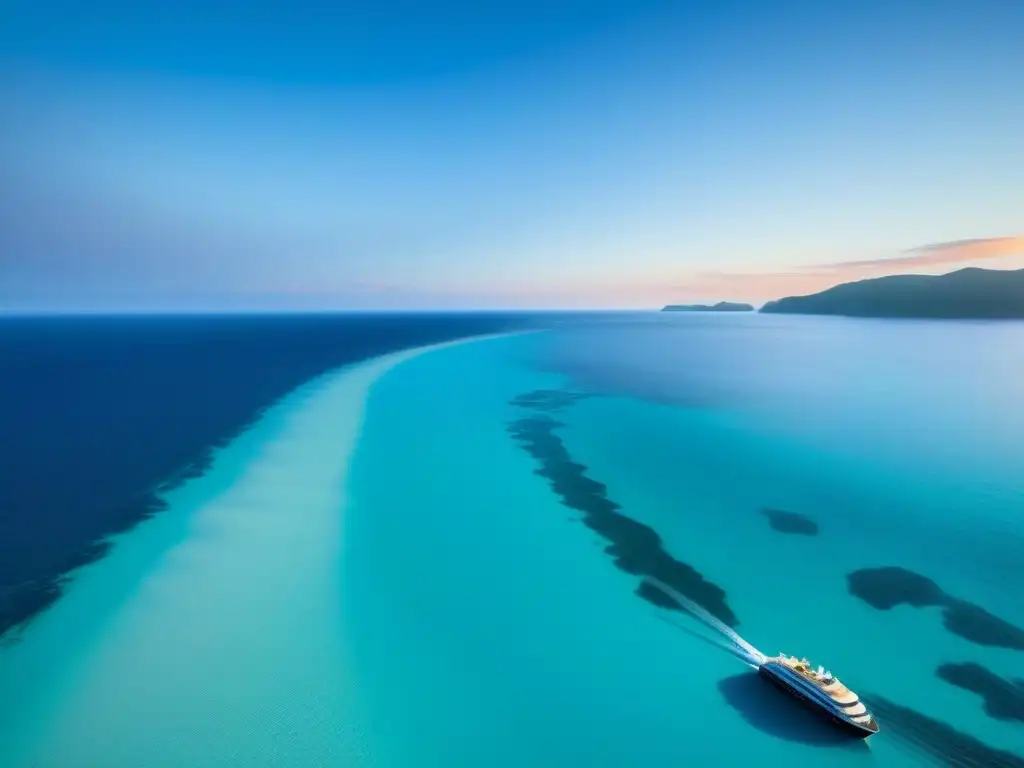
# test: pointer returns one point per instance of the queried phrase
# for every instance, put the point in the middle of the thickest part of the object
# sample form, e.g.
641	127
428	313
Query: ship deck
852	711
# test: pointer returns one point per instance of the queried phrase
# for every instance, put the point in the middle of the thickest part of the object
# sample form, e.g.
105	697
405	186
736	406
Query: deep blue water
98	411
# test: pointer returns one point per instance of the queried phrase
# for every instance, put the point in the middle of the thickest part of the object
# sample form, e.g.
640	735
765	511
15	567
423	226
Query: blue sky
204	155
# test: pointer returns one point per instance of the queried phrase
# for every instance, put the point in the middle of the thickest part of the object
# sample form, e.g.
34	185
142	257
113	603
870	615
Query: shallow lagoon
563	661
377	573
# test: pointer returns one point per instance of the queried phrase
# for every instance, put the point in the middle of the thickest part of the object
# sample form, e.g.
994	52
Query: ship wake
726	638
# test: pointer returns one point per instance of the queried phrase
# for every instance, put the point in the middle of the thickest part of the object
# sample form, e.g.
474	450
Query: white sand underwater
212	634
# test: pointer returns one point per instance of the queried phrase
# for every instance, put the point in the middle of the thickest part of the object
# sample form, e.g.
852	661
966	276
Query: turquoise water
213	633
493	629
376	574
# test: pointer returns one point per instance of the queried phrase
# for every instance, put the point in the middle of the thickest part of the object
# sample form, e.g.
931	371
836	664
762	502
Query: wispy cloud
929	259
950	252
591	290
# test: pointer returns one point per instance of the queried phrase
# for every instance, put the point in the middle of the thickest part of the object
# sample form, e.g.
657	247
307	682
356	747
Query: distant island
722	306
970	293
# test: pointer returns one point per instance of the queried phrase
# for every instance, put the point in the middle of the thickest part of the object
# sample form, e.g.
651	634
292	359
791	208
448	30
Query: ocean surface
367	541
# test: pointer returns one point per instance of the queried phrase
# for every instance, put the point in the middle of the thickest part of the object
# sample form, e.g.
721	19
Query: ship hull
852	729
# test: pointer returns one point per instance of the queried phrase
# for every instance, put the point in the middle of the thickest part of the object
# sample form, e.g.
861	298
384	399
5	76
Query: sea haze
100	412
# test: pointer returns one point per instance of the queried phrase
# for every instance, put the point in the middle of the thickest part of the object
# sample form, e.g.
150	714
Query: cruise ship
822	691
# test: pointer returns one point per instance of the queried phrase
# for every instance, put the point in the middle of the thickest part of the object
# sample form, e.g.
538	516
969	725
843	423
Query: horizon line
114	312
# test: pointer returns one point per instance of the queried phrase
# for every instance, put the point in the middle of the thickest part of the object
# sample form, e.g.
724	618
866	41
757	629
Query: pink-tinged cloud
952	252
928	259
592	291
